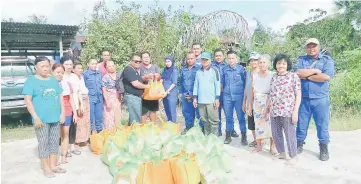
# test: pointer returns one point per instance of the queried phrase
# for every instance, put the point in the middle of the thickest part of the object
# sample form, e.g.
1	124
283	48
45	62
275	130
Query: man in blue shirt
233	84
197	50
187	77
206	92
220	64
315	70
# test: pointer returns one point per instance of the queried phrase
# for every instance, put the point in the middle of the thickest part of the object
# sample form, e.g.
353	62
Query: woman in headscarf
170	78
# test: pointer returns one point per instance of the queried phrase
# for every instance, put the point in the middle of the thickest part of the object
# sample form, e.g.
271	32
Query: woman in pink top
83	125
112	108
58	72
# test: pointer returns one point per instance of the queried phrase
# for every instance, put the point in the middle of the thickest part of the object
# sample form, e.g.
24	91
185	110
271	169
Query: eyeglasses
137	61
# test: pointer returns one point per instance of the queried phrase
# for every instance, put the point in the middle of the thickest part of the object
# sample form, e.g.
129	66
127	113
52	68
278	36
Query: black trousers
72	133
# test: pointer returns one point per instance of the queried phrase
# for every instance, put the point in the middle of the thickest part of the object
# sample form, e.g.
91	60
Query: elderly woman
170	78
83	112
112	108
261	83
44	101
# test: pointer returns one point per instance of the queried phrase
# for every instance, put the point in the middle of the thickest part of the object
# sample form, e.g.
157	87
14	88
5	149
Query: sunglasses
137	61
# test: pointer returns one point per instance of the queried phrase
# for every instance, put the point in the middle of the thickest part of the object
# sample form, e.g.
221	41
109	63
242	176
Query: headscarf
167	72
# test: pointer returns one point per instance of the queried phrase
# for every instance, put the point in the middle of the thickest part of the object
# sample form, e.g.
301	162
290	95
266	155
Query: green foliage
125	31
212	43
346	86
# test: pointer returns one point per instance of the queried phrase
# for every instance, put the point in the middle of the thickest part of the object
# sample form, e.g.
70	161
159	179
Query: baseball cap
206	55
312	40
253	55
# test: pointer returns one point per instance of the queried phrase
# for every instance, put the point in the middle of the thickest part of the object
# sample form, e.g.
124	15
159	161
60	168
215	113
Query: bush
345	88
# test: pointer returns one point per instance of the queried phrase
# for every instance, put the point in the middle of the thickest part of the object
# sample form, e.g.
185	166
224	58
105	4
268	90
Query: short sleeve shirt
45	98
130	75
283	94
109	83
151	69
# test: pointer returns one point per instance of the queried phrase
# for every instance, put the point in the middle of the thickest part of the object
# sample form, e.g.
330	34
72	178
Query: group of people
68	103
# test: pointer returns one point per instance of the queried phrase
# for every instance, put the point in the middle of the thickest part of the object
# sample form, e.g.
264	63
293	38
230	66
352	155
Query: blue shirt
173	80
199	61
207	85
45	98
93	80
233	82
220	66
311	89
187	78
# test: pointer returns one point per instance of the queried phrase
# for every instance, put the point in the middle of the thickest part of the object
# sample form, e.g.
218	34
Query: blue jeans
134	104
319	108
189	112
170	107
96	115
229	106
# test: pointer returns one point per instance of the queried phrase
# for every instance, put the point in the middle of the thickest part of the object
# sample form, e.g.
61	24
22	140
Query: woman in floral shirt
112	107
283	104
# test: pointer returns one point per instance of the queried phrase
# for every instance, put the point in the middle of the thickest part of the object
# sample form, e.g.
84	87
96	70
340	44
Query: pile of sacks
149	154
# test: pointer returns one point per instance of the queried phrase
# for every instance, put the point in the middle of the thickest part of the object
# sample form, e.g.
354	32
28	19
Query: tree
8	20
37	19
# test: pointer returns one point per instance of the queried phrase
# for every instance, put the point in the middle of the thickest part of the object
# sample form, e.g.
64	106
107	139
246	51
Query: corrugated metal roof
30	36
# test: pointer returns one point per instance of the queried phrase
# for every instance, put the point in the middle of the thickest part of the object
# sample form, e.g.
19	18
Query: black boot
244	139
324	152
219	133
300	147
228	137
234	134
185	130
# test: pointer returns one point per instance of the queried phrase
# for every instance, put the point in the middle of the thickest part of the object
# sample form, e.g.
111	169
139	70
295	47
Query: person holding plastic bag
149	72
170	79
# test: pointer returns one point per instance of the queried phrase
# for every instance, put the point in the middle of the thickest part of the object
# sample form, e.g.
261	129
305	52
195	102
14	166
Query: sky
274	14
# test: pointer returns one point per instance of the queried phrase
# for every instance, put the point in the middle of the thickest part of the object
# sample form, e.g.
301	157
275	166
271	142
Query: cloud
298	10
69	12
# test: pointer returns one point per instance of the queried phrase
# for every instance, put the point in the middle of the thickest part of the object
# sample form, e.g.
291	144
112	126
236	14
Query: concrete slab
20	164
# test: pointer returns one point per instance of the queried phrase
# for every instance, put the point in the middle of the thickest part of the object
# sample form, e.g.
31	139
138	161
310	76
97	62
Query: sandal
59	170
252	144
49	174
76	152
68	154
63	160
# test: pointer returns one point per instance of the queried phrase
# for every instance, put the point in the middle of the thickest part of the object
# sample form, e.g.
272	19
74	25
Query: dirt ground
20	164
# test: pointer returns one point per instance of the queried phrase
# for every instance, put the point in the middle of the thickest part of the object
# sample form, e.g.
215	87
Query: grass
19	133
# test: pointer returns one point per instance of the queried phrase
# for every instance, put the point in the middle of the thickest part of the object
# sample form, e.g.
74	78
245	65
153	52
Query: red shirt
102	69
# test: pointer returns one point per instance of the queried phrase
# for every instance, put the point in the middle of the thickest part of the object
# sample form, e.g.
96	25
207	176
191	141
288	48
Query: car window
5	70
19	69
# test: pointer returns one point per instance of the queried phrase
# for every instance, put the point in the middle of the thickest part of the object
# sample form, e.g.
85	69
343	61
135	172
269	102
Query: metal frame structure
29	39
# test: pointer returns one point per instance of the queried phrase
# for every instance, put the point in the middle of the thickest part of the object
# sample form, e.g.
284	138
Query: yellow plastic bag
185	169
155	92
155	173
169	126
96	143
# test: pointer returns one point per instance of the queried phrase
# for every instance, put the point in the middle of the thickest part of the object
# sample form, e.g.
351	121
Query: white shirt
262	84
78	86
